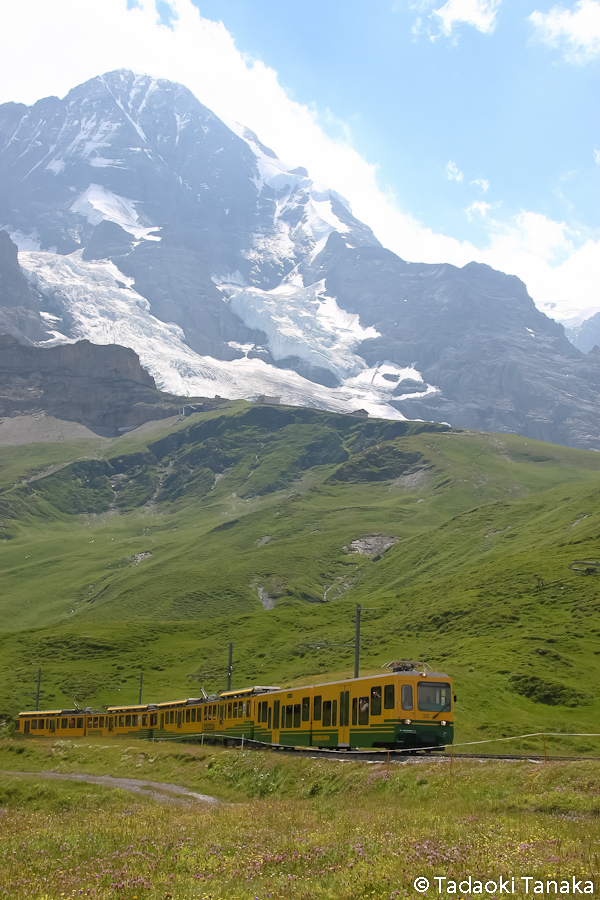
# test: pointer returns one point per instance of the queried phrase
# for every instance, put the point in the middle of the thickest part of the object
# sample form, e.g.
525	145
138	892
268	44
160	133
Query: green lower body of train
393	735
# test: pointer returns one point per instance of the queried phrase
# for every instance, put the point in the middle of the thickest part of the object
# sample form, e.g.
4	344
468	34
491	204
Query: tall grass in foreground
351	831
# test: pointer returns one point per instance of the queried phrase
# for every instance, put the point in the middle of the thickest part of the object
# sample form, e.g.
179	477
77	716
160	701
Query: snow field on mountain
89	296
98	204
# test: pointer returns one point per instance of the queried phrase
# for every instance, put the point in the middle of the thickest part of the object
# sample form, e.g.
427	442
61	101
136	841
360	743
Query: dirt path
158	790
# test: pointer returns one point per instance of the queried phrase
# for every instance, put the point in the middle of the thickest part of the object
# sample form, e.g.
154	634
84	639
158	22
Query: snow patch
23	241
98	204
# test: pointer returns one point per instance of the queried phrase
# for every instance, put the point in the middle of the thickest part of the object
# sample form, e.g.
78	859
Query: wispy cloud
574	31
482	183
453	173
481	14
480	207
597	157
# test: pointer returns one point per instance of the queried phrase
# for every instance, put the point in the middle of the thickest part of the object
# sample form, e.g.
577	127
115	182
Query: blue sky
506	108
457	129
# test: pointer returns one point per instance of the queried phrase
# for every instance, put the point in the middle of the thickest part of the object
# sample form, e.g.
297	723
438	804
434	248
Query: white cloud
478	206
202	55
575	31
479	13
482	183
597	157
453	173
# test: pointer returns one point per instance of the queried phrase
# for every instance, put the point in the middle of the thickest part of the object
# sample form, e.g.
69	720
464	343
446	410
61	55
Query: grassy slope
479	518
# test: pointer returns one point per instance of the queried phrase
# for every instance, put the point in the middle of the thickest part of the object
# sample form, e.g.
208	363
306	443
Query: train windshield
433	696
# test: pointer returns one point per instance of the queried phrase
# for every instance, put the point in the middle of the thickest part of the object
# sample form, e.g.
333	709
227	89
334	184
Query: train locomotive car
407	708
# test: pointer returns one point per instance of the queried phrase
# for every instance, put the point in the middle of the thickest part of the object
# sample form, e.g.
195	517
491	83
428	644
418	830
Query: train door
276	721
52	726
27	726
344	727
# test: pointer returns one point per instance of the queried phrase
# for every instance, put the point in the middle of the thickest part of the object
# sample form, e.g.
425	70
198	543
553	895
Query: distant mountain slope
146	221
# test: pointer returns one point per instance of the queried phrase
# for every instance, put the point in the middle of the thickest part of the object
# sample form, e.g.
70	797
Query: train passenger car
51	723
406	708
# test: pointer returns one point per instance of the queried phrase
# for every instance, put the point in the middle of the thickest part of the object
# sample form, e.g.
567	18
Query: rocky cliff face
104	387
20	303
144	220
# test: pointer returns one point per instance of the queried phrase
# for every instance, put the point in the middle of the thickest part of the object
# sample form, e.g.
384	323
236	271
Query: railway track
402	756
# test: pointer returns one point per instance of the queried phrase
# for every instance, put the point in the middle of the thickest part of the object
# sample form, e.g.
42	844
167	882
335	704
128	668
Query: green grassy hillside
154	552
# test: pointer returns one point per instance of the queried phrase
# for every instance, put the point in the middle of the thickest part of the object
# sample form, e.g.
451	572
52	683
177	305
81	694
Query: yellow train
406	708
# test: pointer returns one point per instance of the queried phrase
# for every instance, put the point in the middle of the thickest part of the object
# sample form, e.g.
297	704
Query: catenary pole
357	640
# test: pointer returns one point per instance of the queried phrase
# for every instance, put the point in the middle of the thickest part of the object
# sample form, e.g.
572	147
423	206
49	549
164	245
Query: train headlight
443	722
407	721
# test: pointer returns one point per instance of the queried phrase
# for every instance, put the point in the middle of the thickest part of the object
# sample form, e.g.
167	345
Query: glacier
100	304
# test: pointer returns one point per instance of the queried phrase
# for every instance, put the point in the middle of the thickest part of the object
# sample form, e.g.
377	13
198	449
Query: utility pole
141	685
230	667
359	610
37	693
357	640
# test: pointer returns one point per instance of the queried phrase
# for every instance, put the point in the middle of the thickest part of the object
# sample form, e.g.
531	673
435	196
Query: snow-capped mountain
143	219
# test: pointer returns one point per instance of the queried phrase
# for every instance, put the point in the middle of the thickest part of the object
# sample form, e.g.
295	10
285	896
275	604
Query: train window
162	720
289	716
276	706
193	715
326	713
90	720
171	717
179	717
188	715
63	723
376	700
128	721
17	725
406	696
317	708
334	713
363	710
72	722
205	713
235	710
153	718
433	696
80	721
354	710
229	713
296	715
144	720
121	721
95	725
389	698
214	709
269	720
102	721
305	709
241	709
34	724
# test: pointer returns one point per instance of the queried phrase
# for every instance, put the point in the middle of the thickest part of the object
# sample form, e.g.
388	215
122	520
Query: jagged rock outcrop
99	386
